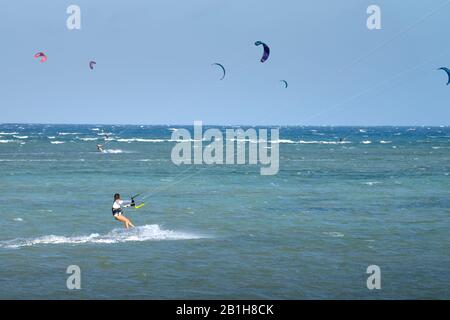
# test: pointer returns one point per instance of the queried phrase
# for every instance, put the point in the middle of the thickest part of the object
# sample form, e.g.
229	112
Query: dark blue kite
448	73
266	50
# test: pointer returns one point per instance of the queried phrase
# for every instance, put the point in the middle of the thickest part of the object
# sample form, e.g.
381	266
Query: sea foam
140	140
143	233
113	151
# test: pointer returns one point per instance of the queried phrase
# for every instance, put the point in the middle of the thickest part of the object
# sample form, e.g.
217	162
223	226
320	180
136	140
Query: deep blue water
380	196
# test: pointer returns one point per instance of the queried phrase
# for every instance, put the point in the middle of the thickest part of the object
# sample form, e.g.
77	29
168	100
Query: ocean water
381	197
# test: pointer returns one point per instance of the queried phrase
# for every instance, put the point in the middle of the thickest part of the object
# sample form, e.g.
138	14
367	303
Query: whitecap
21	137
283	141
113	151
323	142
334	234
371	183
57	142
140	140
8	133
138	234
366	142
254	141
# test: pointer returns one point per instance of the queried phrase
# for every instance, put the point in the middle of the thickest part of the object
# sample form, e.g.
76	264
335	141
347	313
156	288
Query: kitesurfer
117	212
100	148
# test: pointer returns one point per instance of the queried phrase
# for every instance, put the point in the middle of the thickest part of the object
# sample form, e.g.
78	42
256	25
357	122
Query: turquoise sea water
380	197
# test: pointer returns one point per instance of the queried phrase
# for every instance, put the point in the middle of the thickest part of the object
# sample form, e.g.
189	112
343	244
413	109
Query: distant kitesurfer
117	210
100	148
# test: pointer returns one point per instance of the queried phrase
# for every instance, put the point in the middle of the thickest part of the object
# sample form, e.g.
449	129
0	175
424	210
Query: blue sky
154	62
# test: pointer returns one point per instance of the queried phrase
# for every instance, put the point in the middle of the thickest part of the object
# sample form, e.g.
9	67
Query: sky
154	62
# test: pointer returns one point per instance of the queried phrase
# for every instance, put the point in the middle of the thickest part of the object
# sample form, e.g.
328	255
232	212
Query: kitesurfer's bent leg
125	220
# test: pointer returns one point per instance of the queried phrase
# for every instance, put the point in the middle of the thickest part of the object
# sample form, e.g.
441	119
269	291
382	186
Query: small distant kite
92	64
222	67
41	55
266	50
285	83
447	70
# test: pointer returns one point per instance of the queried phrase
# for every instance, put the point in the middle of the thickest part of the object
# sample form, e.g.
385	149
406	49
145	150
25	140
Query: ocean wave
242	140
143	233
323	142
140	140
113	151
371	183
334	234
68	133
260	140
366	142
283	141
57	142
382	141
29	160
187	140
20	137
129	140
8	133
88	139
6	141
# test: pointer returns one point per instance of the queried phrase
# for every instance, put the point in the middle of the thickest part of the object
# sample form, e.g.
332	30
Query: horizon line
231	125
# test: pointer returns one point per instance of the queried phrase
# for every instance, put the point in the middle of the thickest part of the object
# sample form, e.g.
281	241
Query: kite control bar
133	203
